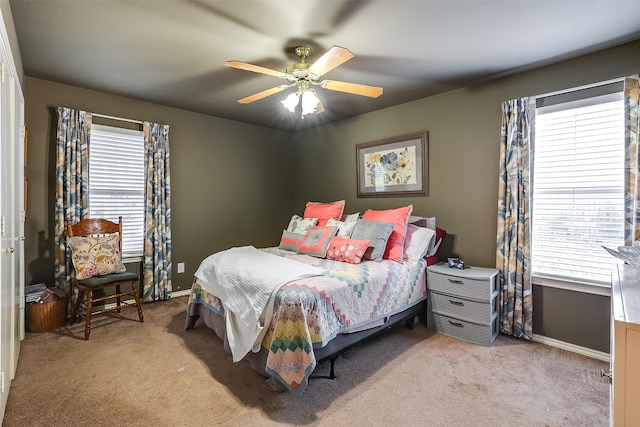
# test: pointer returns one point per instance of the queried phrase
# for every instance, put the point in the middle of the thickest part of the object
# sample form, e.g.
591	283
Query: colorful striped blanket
309	312
245	278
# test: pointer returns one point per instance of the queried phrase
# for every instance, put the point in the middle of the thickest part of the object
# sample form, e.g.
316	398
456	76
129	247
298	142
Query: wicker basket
47	316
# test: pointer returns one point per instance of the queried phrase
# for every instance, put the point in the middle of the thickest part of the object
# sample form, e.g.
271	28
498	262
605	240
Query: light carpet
158	374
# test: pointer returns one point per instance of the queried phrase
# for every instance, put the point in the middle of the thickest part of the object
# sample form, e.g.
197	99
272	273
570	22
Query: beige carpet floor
158	374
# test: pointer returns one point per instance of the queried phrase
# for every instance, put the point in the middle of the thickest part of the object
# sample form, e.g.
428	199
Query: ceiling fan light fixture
291	101
309	102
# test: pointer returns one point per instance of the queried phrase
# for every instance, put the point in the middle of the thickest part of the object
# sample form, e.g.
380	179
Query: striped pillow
290	241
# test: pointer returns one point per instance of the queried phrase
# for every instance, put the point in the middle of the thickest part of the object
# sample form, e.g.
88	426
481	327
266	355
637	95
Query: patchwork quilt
311	311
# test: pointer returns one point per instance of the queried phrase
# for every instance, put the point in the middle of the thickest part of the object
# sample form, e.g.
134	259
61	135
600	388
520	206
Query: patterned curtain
631	159
72	170
157	246
513	248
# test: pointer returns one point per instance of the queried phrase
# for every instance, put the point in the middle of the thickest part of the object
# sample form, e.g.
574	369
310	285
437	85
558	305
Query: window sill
586	288
132	259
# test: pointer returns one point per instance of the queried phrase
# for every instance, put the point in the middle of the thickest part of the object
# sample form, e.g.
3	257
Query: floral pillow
347	250
96	255
317	240
300	225
351	217
344	228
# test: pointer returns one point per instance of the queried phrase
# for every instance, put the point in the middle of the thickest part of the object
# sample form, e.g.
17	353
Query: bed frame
332	350
342	342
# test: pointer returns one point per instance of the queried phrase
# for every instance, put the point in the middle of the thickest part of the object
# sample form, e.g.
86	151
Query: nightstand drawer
468	331
467	283
471	310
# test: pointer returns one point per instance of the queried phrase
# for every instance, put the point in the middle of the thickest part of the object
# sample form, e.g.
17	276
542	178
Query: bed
312	307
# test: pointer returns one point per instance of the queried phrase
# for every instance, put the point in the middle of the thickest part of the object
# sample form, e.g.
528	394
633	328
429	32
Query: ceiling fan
304	74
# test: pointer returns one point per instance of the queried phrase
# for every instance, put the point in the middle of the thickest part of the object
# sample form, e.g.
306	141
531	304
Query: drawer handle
459	325
460	303
457	282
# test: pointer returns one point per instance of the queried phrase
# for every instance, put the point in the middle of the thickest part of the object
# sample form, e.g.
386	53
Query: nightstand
463	303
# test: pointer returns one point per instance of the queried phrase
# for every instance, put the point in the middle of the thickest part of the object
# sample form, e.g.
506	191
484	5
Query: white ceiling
172	52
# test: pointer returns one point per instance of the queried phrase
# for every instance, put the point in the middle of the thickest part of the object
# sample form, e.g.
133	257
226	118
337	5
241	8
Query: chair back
95	227
98	280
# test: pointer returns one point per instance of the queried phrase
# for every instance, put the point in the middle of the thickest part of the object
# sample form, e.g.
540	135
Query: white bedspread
245	278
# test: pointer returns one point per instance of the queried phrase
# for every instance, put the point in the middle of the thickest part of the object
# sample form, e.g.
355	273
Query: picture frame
393	167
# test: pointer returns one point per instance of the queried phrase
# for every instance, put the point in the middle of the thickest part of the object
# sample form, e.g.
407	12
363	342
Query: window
578	185
116	182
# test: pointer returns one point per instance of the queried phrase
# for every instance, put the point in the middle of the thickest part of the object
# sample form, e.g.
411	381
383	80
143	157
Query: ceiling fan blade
262	94
255	68
356	89
331	59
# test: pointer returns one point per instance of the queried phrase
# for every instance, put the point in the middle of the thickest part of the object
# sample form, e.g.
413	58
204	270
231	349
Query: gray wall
227	178
234	184
464	137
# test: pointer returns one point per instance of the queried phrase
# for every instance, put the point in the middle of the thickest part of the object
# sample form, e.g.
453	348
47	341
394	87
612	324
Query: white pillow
423	222
301	225
418	242
352	218
344	228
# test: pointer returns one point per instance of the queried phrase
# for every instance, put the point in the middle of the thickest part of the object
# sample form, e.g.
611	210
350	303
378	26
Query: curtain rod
577	88
122	119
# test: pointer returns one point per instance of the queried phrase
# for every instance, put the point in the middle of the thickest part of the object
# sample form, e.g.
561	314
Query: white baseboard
182	293
552	342
595	354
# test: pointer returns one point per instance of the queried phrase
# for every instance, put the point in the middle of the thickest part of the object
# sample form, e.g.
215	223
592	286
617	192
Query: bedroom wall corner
464	141
227	177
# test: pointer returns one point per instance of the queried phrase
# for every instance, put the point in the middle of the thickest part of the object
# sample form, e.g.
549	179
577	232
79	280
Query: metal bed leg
332	373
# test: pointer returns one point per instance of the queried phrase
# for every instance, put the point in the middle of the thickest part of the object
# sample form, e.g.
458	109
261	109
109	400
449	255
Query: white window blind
578	189
116	182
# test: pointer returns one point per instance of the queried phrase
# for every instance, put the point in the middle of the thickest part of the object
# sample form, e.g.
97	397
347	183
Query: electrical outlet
181	267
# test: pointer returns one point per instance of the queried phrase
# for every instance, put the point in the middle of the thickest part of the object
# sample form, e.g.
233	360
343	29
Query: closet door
16	103
11	223
7	233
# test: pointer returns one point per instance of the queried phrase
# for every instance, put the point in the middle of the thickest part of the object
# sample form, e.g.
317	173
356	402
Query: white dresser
625	346
463	303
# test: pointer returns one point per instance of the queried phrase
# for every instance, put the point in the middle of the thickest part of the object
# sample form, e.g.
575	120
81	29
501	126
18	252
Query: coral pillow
347	250
96	255
397	217
324	211
316	242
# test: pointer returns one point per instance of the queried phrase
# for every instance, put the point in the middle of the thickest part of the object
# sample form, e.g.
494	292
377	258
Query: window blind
116	182
578	189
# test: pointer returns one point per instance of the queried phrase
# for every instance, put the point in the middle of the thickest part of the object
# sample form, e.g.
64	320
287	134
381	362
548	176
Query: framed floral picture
393	167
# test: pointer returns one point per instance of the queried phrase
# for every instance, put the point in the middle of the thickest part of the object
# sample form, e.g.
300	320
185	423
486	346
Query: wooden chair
87	287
